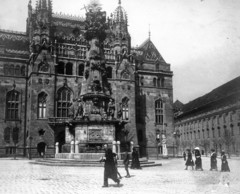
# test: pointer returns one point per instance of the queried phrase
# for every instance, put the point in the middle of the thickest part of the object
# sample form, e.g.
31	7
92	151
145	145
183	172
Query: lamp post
30	147
175	135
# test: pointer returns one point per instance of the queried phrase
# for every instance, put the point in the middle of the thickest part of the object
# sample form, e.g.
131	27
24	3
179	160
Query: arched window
213	133
81	69
7	134
64	101
60	67
162	82
69	69
44	67
159	112
158	82
12	103
208	134
6	70
42	105
157	66
154	82
23	70
125	75
11	70
17	70
199	134
15	135
125	108
109	72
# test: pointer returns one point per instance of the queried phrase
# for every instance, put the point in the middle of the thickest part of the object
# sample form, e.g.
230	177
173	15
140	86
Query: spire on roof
119	2
149	32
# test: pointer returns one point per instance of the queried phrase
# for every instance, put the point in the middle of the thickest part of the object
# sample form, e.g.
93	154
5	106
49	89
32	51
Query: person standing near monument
110	170
135	160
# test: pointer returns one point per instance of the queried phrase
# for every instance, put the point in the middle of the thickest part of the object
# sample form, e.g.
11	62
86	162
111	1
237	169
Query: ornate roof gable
150	52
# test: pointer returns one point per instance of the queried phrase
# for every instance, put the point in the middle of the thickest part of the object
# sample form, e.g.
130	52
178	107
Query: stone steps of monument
85	163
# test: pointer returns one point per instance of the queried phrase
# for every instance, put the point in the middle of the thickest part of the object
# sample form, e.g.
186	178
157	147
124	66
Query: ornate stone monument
91	117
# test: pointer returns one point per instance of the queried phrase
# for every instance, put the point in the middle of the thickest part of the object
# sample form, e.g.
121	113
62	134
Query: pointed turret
119	27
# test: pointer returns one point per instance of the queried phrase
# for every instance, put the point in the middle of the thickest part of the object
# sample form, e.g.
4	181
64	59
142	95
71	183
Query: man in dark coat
126	163
213	160
110	170
135	160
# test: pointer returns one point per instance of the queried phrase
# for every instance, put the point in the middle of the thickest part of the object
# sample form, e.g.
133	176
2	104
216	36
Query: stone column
118	150
131	146
76	147
114	148
72	147
57	148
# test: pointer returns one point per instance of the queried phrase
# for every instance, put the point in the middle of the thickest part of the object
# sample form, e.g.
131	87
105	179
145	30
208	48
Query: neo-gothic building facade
42	70
211	121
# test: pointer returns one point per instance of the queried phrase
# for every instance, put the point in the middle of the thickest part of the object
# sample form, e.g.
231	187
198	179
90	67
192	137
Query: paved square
20	177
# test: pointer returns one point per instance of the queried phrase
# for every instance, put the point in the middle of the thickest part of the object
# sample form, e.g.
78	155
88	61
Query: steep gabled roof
222	95
149	52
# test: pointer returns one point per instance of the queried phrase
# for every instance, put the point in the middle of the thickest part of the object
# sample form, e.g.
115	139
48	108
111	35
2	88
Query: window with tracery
42	105
12	105
159	111
63	102
125	108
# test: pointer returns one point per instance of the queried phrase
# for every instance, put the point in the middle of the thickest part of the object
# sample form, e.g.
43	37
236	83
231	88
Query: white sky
199	38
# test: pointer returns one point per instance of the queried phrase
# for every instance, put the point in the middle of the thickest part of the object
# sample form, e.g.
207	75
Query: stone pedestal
164	151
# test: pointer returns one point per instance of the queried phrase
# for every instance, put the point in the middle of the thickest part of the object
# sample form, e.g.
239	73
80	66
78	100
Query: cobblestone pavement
20	177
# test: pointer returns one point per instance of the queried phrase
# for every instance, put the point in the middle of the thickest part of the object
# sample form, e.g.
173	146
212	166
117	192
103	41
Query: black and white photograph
119	96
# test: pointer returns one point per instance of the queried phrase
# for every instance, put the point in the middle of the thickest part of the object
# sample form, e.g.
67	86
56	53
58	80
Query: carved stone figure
111	109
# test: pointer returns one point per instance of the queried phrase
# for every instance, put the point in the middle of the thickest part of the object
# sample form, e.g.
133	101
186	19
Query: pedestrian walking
213	160
198	161
135	160
126	163
224	167
116	165
184	155
109	168
189	161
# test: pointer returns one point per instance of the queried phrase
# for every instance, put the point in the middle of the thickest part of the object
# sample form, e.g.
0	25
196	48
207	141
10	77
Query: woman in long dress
198	161
189	161
224	167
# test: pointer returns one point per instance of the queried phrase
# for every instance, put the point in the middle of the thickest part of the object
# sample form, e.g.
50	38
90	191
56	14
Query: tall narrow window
64	101
159	111
15	135
69	69
208	133
159	82
203	135
42	105
125	109
11	70
219	132
109	72
154	82
23	70
199	134
17	70
12	105
81	69
7	134
60	67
